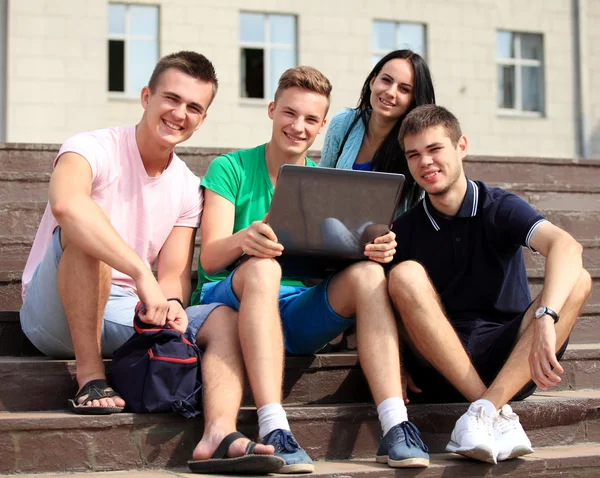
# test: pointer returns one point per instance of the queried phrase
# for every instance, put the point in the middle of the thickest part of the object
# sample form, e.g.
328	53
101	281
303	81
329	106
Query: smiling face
298	117
434	162
177	107
392	89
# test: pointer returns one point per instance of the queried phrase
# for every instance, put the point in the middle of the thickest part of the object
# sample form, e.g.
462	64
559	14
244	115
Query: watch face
540	311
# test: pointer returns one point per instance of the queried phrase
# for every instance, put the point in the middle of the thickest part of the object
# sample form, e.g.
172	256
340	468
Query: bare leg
429	330
83	288
223	382
256	284
515	373
361	290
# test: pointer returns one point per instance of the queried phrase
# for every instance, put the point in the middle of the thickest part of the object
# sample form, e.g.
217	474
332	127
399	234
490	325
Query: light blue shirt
338	127
335	135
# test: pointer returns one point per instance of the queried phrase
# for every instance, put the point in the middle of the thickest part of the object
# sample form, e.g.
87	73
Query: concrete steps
14	343
14	250
59	442
22	218
27	157
549	462
326	397
322	379
536	280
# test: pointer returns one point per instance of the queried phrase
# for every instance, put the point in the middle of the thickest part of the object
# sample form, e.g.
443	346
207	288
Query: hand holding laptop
382	249
259	240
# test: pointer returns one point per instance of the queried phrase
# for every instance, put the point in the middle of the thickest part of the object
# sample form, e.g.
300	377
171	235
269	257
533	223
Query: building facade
523	77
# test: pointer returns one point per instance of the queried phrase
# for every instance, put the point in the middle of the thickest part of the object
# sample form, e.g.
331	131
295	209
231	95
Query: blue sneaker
286	447
402	447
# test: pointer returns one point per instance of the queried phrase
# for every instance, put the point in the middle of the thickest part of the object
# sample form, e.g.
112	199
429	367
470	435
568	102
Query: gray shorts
44	322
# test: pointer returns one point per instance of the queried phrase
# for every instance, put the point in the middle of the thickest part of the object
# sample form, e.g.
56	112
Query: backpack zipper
170	359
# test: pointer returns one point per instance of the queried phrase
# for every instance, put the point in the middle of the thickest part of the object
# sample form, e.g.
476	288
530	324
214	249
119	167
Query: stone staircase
326	396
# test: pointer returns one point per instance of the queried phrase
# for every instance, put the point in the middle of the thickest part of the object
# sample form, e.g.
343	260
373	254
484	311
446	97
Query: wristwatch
541	311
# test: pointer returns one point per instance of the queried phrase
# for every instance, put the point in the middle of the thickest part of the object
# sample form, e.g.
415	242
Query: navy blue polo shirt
474	259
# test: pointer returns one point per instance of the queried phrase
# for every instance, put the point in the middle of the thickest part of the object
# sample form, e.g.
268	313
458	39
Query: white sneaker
510	436
473	435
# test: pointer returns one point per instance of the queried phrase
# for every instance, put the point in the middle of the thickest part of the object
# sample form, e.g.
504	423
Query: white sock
271	417
489	407
392	411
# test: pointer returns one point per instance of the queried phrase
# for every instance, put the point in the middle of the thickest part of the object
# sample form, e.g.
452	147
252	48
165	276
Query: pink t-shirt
142	209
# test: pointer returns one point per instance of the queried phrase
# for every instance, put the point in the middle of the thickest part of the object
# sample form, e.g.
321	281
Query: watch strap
551	313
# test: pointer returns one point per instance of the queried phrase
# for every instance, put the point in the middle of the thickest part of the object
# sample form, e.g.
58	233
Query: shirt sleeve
192	207
333	139
223	177
88	146
515	220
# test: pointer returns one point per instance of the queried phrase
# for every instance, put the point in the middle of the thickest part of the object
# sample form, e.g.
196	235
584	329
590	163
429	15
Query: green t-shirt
242	178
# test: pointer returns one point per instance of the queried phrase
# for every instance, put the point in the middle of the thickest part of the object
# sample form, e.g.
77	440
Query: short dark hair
307	78
189	62
429	116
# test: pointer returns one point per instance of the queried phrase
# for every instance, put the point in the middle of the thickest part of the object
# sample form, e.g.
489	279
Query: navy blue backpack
157	370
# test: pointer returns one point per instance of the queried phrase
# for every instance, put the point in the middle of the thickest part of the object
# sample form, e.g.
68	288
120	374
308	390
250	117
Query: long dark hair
389	157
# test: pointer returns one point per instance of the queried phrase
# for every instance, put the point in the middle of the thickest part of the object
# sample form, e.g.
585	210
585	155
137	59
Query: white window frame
397	37
126	37
266	46
519	62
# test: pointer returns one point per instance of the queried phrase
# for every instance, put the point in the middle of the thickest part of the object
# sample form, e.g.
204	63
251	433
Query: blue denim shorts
309	322
43	318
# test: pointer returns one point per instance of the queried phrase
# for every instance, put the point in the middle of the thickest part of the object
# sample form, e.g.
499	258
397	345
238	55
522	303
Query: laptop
324	217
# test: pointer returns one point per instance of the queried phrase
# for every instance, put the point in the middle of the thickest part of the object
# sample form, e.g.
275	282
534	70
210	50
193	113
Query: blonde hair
307	78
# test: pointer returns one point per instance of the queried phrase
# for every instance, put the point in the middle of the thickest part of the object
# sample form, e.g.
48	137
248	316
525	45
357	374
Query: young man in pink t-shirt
120	203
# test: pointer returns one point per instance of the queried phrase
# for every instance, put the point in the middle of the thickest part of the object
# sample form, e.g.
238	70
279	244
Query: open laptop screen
332	213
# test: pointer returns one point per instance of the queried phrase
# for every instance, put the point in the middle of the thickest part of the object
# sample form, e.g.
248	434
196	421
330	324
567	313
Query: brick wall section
57	63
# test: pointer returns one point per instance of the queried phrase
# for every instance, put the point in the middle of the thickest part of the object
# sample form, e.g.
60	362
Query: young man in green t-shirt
276	312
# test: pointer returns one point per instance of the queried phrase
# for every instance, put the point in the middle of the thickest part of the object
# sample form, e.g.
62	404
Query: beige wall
58	61
56	69
592	79
3	39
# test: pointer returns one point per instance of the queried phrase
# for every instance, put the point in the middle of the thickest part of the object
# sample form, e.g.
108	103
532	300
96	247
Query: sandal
249	463
95	390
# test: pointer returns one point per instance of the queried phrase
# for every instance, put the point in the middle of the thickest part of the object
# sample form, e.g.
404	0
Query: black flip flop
249	463
95	390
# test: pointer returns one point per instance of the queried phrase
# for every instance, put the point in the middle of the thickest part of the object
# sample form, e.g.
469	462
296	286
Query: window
389	36
268	48
519	58
132	46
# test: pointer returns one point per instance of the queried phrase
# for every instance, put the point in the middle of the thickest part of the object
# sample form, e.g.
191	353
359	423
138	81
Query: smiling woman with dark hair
366	137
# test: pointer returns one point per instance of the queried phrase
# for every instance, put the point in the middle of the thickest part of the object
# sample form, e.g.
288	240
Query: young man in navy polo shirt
460	288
